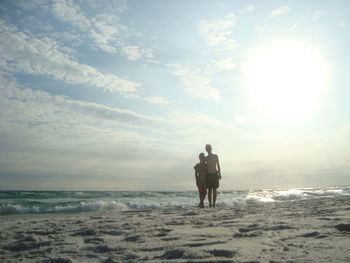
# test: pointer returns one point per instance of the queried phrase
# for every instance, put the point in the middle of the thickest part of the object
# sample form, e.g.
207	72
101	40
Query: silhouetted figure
213	175
200	171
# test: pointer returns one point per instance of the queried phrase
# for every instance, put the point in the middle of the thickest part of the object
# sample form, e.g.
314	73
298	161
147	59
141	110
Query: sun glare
286	80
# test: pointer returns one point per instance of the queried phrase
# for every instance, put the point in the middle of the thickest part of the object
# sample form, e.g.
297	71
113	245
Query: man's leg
214	196
209	196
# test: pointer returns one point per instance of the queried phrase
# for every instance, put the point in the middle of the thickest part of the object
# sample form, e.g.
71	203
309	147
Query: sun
286	80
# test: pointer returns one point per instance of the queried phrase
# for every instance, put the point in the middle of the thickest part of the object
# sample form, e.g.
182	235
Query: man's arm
218	164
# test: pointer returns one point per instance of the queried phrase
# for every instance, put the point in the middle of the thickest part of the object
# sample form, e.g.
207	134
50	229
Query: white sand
299	231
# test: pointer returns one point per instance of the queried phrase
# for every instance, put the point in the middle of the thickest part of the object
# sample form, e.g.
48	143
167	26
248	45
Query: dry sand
315	230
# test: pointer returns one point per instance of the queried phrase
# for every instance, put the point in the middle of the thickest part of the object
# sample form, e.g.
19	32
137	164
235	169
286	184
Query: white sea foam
81	207
58	202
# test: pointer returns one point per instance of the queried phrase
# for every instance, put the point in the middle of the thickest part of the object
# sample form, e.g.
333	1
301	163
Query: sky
124	95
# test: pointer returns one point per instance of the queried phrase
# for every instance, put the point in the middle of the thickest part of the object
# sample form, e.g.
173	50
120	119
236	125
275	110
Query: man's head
208	148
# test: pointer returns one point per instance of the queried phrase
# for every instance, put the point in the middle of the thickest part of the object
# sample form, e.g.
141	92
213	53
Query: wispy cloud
116	5
88	85
135	52
31	55
70	12
40	133
247	9
319	13
92	139
197	129
104	29
157	100
242	118
296	25
204	123
280	11
224	64
48	108
218	32
196	82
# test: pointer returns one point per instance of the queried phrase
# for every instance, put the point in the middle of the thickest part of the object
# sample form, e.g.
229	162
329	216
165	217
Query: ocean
29	202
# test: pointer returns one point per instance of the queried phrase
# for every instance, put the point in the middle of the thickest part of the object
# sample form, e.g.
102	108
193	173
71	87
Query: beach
120	121
305	230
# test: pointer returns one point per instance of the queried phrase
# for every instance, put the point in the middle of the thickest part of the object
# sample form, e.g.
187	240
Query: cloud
41	133
224	64
70	12
197	123
108	34
40	106
158	100
317	14
280	11
247	9
196	82
134	52
115	5
242	118
217	32
258	28
102	31
105	30
342	24
31	55
296	25
195	128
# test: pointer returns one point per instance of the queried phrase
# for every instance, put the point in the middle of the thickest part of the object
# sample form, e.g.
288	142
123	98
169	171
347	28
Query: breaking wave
36	202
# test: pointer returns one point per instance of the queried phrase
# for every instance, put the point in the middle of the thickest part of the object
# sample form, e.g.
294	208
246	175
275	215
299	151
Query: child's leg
199	193
203	194
204	191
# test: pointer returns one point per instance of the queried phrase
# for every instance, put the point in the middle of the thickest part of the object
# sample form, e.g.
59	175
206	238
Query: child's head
201	157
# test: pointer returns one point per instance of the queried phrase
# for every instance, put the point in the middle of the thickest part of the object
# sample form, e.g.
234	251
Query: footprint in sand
222	253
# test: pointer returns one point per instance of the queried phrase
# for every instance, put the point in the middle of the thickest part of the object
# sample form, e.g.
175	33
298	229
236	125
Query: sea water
21	202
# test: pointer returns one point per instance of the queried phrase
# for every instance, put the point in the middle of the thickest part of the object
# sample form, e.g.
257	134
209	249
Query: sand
315	230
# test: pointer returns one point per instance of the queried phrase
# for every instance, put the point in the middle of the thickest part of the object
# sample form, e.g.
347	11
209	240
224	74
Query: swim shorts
212	180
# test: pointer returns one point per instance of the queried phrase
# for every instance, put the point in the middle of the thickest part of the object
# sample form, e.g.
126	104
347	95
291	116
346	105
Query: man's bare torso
212	160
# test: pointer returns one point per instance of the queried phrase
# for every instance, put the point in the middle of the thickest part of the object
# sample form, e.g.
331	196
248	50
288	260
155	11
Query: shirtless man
213	175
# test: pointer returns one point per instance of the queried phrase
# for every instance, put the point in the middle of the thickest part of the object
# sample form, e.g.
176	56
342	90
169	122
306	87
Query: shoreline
289	231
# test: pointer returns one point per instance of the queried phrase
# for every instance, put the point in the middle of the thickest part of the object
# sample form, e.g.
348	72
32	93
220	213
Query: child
200	173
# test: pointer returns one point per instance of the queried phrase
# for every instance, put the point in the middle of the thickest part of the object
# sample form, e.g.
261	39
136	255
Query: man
213	175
